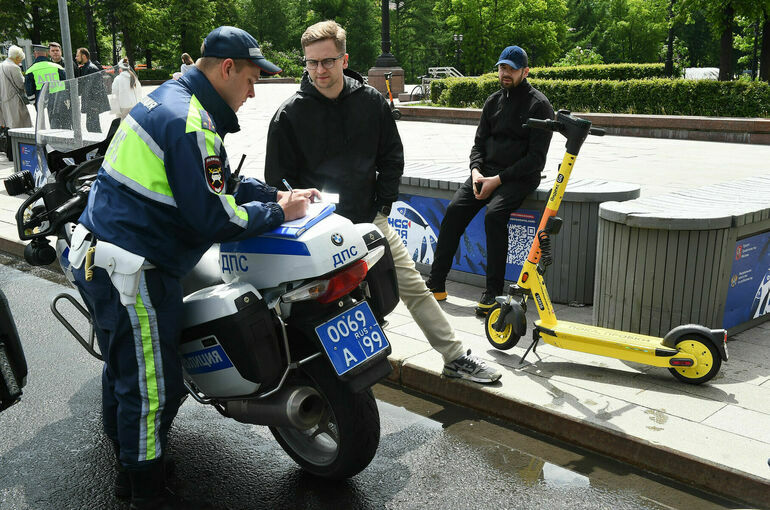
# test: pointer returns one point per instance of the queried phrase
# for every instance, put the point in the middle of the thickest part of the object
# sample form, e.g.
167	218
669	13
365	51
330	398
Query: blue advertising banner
28	157
417	220
748	296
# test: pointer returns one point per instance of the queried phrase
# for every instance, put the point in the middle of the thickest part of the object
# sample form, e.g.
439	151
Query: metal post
458	38
386	59
69	67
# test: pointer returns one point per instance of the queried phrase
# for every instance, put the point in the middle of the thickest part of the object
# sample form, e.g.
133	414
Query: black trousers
464	206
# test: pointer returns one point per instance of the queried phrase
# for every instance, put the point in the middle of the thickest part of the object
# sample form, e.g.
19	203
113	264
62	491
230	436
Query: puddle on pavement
536	460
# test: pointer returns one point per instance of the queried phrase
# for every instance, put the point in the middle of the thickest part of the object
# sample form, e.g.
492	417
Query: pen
287	186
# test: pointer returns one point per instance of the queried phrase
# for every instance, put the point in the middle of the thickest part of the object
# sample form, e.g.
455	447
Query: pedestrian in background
59	113
93	96
13	99
126	89
187	63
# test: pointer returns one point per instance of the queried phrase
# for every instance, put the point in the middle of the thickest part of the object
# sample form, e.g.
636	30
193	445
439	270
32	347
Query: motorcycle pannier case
13	365
230	344
381	280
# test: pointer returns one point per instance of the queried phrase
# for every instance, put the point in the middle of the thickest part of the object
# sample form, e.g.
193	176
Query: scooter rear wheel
707	355
346	438
504	339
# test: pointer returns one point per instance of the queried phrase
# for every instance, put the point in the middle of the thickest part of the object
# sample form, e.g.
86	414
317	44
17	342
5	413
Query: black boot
122	481
148	488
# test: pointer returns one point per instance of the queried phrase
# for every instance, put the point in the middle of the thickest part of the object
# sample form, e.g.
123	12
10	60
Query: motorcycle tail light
339	284
343	282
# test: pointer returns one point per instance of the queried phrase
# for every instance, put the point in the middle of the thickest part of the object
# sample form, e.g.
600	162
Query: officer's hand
294	205
312	194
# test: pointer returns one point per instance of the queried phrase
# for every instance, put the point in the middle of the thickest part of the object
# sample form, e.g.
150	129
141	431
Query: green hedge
656	96
600	72
153	74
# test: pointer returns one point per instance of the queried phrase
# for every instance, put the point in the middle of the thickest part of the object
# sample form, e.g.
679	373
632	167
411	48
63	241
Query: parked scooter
393	110
279	330
692	353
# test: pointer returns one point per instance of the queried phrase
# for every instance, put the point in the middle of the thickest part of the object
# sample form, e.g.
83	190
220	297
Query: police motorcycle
281	330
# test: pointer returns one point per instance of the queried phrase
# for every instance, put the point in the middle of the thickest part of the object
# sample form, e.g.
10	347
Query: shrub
600	72
153	74
651	96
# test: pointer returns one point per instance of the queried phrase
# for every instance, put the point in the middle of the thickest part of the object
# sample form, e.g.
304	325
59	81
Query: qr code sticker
519	240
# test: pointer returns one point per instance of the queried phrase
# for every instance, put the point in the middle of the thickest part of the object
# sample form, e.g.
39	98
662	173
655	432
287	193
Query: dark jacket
94	92
349	145
502	146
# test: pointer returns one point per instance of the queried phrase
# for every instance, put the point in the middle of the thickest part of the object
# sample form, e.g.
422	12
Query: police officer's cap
39	48
232	42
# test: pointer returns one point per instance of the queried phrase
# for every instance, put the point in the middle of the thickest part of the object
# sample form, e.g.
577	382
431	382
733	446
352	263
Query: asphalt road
53	454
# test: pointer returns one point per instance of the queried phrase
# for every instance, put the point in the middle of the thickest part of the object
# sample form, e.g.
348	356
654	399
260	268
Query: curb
709	477
712	129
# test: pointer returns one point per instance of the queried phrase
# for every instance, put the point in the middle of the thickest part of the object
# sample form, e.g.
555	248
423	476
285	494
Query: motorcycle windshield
75	113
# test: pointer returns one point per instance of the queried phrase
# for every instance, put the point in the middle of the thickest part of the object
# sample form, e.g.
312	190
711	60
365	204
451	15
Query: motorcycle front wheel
346	438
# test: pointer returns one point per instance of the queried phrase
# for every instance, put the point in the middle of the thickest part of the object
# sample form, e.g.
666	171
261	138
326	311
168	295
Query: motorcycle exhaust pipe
300	407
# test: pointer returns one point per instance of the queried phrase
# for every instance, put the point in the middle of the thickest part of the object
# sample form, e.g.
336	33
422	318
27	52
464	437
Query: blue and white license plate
352	337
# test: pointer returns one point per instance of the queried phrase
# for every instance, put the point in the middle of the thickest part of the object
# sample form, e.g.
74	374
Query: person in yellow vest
41	72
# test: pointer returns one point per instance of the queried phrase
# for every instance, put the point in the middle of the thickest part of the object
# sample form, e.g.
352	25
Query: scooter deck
608	342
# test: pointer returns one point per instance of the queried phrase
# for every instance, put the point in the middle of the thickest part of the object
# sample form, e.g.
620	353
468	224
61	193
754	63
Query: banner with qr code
417	220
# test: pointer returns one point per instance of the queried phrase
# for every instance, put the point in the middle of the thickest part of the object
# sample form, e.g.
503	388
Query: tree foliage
731	34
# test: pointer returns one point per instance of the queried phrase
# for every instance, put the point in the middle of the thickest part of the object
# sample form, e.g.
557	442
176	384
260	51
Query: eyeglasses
328	63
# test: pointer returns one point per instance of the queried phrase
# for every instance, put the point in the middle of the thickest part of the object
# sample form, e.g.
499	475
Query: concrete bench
426	190
696	256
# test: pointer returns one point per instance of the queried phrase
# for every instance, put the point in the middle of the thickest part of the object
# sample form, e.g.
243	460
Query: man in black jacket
506	161
338	135
93	100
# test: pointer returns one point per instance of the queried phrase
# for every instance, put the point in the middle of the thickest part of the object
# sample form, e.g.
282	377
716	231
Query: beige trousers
425	311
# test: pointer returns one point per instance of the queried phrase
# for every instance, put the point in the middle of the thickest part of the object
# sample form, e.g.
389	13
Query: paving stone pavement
715	436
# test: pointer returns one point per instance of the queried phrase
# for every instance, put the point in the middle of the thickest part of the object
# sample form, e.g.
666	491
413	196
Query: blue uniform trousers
142	384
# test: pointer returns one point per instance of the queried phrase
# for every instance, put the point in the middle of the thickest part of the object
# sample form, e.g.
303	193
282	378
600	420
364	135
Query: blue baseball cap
514	57
232	42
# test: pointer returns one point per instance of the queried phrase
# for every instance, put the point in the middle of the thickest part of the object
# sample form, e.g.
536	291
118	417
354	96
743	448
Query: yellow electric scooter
691	352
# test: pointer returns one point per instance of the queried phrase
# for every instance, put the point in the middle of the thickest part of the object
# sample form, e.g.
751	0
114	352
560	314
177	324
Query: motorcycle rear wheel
345	440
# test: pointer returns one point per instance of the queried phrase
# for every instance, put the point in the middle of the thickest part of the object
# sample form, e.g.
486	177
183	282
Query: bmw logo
337	239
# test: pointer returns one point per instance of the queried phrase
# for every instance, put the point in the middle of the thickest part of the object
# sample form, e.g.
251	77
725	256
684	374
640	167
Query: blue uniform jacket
162	189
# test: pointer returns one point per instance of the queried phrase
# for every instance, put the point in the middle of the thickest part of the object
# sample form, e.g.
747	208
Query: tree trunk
726	45
670	45
128	45
148	58
93	47
754	53
34	29
114	40
764	58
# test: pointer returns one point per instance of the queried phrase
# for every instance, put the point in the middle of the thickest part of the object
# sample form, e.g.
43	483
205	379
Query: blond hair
323	30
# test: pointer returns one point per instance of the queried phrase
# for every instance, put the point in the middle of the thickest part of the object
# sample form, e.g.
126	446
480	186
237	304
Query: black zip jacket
349	145
502	146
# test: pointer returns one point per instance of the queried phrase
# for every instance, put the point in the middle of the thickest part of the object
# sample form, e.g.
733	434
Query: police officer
161	198
41	72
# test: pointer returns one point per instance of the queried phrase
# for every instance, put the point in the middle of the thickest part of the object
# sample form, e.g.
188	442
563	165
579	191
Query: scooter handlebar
554	125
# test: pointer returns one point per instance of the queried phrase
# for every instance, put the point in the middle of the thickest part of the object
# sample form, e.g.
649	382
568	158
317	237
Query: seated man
506	161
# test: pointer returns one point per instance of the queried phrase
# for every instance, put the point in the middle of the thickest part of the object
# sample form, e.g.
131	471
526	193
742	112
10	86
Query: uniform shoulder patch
207	122
215	175
149	103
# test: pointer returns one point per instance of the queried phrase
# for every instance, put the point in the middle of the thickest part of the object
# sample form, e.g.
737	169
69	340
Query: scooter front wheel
346	438
708	360
504	339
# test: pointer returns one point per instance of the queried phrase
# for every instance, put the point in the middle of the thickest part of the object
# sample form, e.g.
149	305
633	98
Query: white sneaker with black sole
471	368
